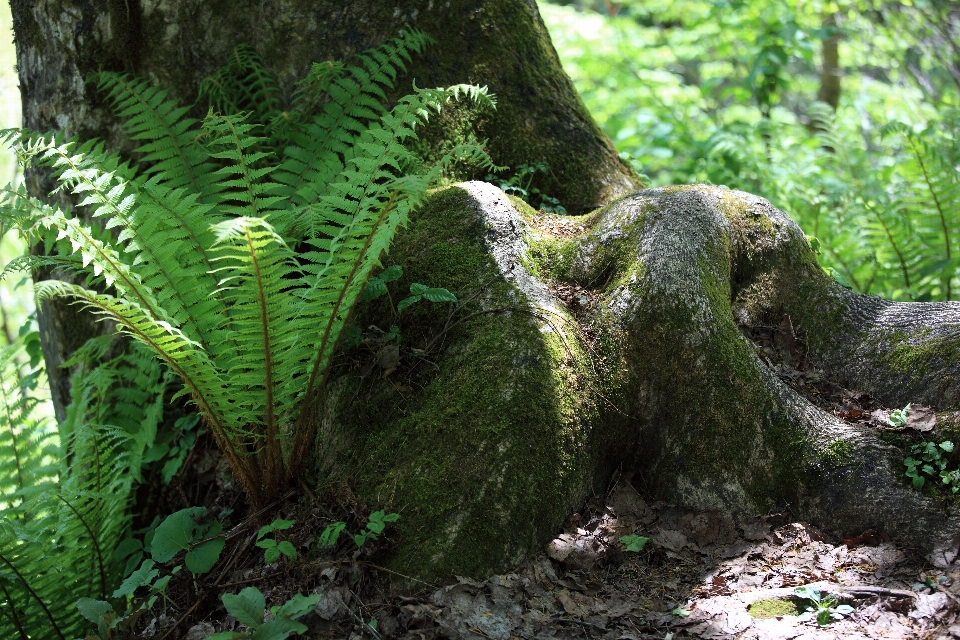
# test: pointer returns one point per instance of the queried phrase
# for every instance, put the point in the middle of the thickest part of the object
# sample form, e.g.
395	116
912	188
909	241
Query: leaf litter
700	576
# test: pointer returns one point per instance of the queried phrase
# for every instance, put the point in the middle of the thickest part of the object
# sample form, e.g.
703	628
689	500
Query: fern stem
26	585
306	421
13	613
893	243
936	201
274	460
96	545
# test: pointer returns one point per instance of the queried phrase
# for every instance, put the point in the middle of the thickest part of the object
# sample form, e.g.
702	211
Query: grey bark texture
499	43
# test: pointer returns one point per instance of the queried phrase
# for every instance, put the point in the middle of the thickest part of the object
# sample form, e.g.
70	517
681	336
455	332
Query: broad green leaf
278	629
93	610
296	606
287	549
439	295
247	606
202	557
174	534
139	578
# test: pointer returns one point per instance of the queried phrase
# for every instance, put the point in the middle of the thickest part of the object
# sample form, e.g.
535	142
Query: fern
931	197
239	261
67	497
27	451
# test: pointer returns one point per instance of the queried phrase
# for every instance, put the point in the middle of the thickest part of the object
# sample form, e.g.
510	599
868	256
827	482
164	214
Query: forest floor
698	576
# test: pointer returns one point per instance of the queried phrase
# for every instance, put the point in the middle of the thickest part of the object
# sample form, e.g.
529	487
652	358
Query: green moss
773	608
705	377
913	354
838	453
489	455
551	258
521	206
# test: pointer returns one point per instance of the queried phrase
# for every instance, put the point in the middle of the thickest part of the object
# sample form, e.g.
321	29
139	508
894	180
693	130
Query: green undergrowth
772	608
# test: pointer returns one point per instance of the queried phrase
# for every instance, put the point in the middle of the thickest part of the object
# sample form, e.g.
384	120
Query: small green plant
376	524
521	183
927	460
108	621
634	543
377	286
248	606
898	417
272	548
822	608
180	532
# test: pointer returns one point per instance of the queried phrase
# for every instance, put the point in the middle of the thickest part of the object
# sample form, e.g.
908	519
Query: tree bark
830	70
584	345
499	43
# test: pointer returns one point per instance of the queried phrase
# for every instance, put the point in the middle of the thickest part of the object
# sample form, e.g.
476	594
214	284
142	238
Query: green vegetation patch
772	608
489	446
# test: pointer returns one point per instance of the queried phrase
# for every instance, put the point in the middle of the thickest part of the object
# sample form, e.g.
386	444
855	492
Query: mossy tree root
530	412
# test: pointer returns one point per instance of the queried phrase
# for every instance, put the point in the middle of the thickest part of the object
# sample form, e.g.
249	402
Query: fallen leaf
920	418
388	358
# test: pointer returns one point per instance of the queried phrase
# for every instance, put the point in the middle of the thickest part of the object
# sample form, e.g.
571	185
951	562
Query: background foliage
725	92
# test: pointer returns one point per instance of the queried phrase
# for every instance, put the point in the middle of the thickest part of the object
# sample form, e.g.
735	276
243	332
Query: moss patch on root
772	608
493	451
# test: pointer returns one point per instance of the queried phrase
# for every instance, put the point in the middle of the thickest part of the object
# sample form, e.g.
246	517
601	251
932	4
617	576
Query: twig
237	552
580	622
364	625
369	564
829	587
310	493
183	617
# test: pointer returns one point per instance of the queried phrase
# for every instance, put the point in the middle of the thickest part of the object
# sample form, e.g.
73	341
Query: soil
699	575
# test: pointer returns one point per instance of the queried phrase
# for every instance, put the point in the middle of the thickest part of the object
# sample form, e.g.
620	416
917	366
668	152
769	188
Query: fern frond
321	144
171	148
932	196
27	443
246	193
57	539
244	85
167	342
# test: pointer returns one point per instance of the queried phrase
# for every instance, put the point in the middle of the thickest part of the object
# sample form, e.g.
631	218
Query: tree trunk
830	70
614	342
499	43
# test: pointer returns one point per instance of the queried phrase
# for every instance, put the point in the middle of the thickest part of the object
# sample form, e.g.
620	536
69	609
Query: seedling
376	524
634	542
898	417
248	606
823	609
272	548
928	461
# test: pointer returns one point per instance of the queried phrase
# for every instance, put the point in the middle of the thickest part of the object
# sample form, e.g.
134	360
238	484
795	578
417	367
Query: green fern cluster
65	492
238	252
885	209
